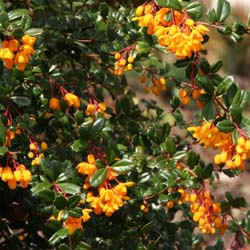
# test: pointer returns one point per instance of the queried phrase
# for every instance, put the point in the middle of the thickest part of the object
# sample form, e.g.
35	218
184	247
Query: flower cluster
73	223
232	155
185	98
109	197
35	153
180	35
71	99
109	200
235	156
87	168
123	63
94	108
11	135
20	175
206	212
12	53
158	85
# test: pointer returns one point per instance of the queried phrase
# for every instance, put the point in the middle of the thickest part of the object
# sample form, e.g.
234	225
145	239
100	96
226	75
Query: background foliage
143	143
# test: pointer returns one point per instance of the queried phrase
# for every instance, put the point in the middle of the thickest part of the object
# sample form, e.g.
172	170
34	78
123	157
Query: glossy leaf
123	165
98	178
58	236
69	188
175	4
225	126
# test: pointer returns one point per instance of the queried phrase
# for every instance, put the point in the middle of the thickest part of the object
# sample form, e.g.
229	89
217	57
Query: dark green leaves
34	31
142	47
123	166
69	188
58	236
2	134
206	84
21	101
175	4
98	178
3	150
14	14
4	20
223	10
194	10
209	110
224	85
79	145
212	17
225	126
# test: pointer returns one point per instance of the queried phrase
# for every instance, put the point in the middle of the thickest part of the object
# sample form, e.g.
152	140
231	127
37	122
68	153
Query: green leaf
225	126
45	185
83	246
179	155
123	165
142	47
168	146
3	150
4	20
97	127
212	17
224	11
224	85
192	159
60	202
194	10
14	14
74	200
248	20
46	195
21	101
69	188
75	212
241	98
236	113
209	110
51	169
206	84
98	178
205	66
147	227
79	145
216	67
2	133
34	31
58	236
182	62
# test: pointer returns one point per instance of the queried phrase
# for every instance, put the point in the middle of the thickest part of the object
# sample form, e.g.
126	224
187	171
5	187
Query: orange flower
72	100
72	224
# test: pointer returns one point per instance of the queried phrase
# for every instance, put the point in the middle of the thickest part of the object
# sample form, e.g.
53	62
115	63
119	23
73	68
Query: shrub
85	163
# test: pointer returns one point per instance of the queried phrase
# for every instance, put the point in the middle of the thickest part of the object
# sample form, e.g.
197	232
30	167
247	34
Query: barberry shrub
85	163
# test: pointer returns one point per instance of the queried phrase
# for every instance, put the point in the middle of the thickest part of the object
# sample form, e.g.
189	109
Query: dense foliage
85	163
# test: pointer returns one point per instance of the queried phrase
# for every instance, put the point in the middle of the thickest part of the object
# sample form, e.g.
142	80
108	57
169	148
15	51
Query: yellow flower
54	103
7	174
72	100
44	145
13	45
86	168
72	224
85	214
21	60
29	40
